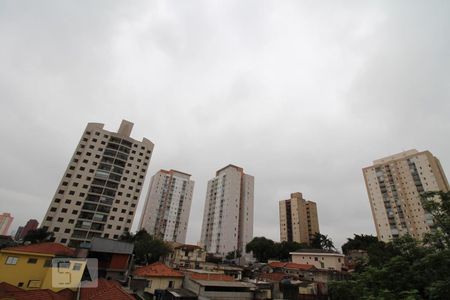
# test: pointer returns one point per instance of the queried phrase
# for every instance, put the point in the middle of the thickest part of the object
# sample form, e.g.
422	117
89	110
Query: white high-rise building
228	214
394	185
168	204
99	191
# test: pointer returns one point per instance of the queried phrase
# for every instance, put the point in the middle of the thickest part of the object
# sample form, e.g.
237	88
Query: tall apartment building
5	222
168	204
228	213
298	219
32	224
394	185
99	191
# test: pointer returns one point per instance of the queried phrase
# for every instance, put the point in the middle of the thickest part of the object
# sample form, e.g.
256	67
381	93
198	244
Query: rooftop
291	265
111	246
43	248
8	291
157	269
225	283
211	277
106	290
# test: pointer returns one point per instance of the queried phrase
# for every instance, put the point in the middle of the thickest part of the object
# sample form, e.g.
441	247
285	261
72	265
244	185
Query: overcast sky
301	94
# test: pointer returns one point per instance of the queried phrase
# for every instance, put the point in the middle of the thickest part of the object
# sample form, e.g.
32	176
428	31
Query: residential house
185	256
218	286
114	257
33	267
321	259
157	276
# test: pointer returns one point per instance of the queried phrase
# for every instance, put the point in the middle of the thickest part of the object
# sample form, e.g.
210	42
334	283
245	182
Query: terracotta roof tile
277	264
106	290
11	292
157	270
44	248
290	265
299	266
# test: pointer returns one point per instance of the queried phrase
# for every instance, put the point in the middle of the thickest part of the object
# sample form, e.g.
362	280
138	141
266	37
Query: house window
48	263
149	284
32	261
11	260
76	267
171	284
34	284
20	284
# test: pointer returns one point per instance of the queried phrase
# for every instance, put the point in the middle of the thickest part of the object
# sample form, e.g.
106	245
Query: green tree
284	248
233	254
359	242
405	268
148	249
39	235
322	241
437	208
262	248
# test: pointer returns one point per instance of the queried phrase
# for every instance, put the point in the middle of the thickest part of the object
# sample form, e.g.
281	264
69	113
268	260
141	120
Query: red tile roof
106	290
299	266
44	248
277	264
207	276
11	292
157	269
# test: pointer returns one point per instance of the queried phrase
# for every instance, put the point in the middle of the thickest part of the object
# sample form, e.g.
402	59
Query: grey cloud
300	94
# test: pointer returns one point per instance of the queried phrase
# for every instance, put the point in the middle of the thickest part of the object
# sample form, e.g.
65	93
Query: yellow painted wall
36	276
22	271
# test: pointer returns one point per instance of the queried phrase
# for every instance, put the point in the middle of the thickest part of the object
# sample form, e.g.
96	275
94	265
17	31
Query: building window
20	284
11	260
34	284
48	263
171	284
32	261
53	209
76	267
63	241
149	285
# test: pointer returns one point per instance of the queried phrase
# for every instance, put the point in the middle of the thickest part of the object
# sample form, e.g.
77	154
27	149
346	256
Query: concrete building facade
5	222
168	205
394	185
99	191
298	219
228	212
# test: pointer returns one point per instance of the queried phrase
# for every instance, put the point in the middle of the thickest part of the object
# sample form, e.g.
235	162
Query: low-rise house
114	257
156	276
321	259
185	256
218	287
34	267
